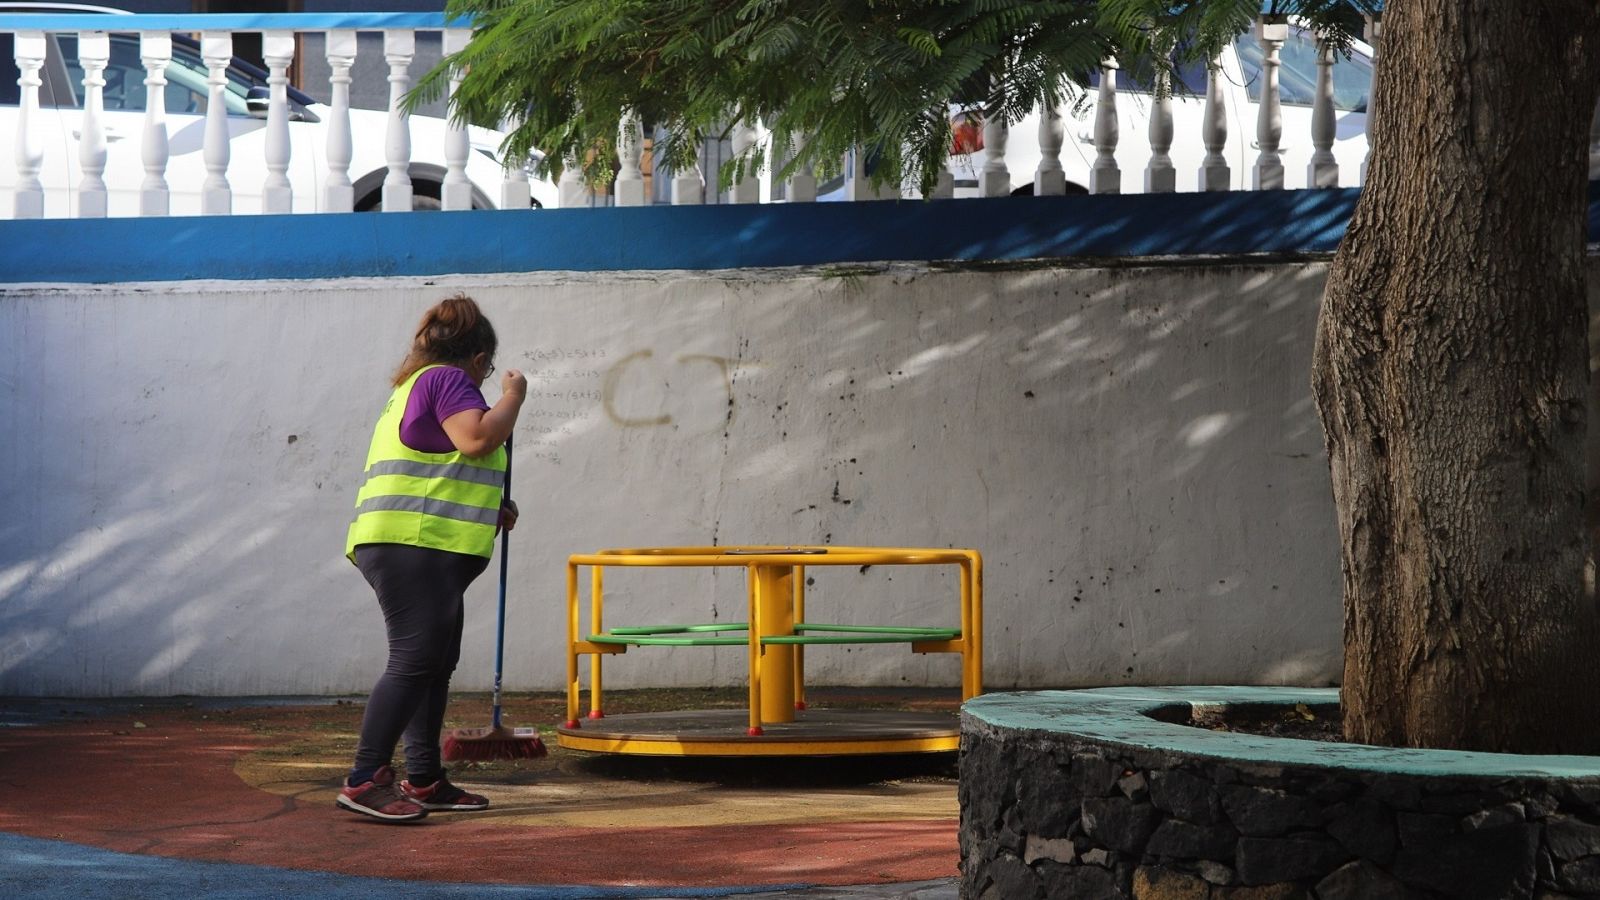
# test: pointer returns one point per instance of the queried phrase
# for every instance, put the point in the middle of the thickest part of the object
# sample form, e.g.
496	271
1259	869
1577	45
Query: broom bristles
485	744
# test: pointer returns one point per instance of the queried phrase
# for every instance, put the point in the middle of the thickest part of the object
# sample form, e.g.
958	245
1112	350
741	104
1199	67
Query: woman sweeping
426	520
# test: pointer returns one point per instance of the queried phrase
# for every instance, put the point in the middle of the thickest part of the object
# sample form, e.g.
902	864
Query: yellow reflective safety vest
445	501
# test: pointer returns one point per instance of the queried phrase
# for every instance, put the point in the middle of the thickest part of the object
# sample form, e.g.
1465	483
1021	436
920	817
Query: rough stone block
1264	812
1285	890
1047	800
1361	880
1118	823
1095	776
1183	795
1011	831
1058	850
1421	827
1096	857
1503	814
1397	792
1365	828
1569	837
1078	882
1187	840
1581	876
986	785
1014	879
1268	860
1160	883
1215	872
1489	863
1134	787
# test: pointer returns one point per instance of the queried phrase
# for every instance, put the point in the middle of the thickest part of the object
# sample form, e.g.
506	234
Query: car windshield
1297	78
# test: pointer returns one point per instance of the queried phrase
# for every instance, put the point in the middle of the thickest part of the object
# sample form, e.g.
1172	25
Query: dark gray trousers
420	591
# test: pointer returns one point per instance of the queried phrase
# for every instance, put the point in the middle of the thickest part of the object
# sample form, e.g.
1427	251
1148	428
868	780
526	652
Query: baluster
748	188
1271	32
28	200
859	185
216	197
338	194
94	52
277	195
1159	175
515	193
994	179
570	188
1323	171
688	186
398	48
1214	172
457	190
1049	179
944	187
1373	33
1104	176
155	51
630	151
802	185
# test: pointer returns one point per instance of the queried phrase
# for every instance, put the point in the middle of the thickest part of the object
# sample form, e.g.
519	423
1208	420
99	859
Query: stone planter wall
1083	794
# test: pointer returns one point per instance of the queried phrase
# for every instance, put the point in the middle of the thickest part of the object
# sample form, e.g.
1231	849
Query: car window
1297	78
125	73
1189	78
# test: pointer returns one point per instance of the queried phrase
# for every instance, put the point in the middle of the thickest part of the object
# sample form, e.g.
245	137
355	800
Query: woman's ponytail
453	331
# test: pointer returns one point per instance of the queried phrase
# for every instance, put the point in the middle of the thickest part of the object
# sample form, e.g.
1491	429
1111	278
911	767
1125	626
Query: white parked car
1242	83
187	95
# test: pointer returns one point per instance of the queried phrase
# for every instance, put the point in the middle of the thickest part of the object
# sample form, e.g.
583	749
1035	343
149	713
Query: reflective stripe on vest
443	501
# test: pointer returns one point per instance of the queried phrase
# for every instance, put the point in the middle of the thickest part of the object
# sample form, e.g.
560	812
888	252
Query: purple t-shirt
438	394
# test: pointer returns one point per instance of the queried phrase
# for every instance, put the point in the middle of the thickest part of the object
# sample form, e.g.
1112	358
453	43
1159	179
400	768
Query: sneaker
381	798
442	795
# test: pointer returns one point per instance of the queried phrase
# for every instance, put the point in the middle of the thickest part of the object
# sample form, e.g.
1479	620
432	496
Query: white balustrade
994	180
1215	174
859	185
216	196
748	188
1104	175
944	186
94	52
277	194
1160	177
456	192
398	49
1270	32
1323	170
28	199
1373	33
155	52
688	185
802	184
515	191
630	152
1050	179
571	189
338	194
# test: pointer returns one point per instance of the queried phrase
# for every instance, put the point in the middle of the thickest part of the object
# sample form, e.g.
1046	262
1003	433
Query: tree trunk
1451	375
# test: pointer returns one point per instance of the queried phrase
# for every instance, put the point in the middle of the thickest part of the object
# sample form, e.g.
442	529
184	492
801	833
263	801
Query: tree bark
1451	374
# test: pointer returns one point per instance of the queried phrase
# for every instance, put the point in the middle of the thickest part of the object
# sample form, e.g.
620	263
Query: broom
496	741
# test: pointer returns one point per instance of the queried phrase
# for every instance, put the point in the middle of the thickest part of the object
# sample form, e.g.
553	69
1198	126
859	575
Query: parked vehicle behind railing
228	136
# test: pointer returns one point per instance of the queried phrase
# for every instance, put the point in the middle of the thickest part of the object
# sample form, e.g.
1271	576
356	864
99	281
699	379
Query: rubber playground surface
220	798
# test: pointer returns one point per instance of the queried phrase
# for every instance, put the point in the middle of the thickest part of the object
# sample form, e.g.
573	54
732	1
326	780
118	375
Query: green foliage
823	76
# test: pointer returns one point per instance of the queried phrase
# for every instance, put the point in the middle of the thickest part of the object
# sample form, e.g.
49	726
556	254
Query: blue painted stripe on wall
682	237
661	237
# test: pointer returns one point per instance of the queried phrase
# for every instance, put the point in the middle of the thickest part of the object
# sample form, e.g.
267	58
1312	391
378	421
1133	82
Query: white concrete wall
1134	449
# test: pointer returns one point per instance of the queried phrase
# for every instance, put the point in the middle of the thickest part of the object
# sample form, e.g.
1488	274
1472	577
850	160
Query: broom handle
500	627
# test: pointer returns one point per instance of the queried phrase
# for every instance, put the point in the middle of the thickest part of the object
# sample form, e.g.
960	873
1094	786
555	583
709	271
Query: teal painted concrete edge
1120	716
